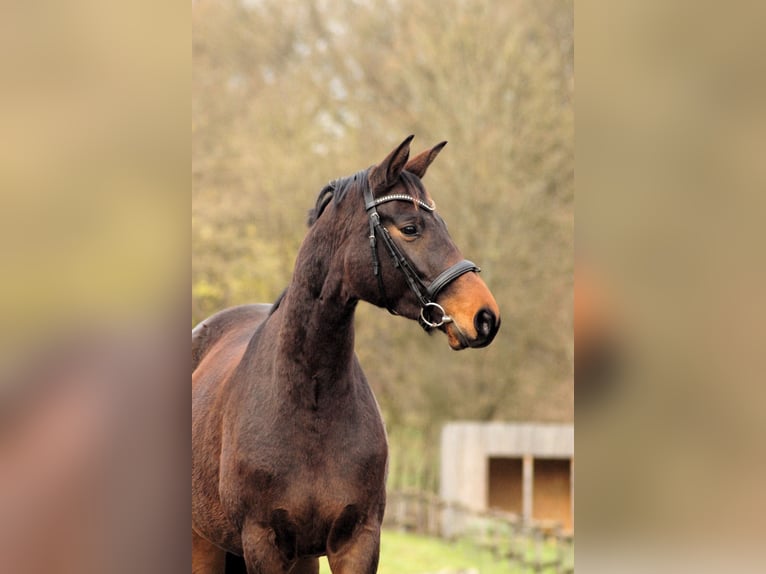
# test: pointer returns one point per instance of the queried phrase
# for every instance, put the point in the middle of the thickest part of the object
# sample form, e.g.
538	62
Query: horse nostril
485	323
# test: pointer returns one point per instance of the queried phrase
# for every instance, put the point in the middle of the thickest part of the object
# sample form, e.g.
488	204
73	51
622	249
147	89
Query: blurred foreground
669	395
94	179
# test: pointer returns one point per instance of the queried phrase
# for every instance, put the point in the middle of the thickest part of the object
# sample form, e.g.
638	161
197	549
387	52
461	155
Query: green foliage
290	94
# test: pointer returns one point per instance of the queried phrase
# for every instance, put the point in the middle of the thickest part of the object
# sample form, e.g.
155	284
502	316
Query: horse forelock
415	187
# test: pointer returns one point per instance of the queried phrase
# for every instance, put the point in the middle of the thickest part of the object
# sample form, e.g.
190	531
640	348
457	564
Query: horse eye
409	230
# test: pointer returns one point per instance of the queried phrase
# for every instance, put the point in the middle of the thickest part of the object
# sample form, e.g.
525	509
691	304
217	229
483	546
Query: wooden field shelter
523	468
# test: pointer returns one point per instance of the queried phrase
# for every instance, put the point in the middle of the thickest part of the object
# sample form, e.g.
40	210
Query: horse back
231	322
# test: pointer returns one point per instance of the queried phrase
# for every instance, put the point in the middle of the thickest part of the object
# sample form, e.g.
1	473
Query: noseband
426	294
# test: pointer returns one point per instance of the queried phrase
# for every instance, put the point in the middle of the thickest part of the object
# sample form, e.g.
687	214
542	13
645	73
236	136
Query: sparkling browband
401	197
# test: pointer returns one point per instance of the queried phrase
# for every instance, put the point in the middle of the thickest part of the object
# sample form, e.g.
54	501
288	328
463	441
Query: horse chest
305	457
318	442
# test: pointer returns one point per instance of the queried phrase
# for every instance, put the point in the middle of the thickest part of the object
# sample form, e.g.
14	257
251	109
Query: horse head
402	257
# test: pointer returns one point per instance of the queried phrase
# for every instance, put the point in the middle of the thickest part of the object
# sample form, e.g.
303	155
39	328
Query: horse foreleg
306	566
207	558
357	555
262	555
235	564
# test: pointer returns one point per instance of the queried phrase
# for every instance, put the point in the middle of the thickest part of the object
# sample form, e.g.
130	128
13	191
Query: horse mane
414	185
338	188
327	193
276	304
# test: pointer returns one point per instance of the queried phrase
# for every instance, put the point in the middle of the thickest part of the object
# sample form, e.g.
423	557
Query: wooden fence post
522	543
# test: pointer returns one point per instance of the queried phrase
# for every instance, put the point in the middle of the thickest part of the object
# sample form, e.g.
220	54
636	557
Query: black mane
336	189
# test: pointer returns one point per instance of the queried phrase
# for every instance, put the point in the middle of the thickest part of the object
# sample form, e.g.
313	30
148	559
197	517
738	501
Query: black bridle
426	294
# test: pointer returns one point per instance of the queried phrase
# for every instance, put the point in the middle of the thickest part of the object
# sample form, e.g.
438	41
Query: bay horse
289	451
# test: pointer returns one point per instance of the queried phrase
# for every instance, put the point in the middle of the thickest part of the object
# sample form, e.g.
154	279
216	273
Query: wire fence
537	546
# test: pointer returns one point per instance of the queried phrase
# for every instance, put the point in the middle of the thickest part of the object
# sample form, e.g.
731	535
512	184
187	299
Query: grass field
403	553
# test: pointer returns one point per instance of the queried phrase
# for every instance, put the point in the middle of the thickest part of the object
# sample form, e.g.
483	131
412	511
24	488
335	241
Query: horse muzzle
472	317
486	326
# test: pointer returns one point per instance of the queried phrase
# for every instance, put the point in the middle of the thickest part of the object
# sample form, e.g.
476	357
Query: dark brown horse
289	449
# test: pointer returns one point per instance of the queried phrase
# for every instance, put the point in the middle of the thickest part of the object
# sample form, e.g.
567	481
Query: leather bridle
426	294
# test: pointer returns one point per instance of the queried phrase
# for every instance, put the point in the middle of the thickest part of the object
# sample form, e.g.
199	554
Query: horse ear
386	173
419	164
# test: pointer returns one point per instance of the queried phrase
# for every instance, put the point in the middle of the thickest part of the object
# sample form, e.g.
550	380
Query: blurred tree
289	94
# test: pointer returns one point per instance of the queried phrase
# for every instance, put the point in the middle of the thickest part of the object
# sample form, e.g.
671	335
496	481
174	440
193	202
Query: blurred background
288	95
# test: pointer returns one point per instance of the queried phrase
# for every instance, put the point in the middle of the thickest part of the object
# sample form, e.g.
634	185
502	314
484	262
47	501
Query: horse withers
289	451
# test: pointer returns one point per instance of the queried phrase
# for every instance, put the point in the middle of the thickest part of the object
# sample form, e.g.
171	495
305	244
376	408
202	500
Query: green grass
403	553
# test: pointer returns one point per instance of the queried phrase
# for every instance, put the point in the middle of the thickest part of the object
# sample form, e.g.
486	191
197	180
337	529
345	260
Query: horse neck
316	338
